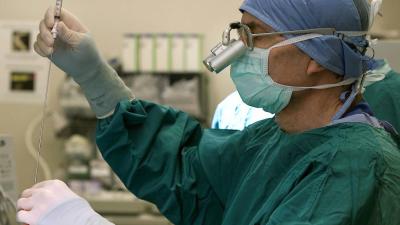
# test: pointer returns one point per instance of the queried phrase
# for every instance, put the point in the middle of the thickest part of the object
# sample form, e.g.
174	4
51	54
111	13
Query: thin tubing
42	122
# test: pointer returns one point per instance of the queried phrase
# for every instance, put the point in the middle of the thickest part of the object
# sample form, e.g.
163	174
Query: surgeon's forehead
256	25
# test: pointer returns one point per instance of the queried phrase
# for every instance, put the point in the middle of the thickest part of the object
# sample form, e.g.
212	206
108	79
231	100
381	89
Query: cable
31	147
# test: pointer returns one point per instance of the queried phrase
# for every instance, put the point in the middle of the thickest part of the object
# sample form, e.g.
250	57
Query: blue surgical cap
329	51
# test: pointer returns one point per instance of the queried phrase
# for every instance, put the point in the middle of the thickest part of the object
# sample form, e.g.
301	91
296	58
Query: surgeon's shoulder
367	160
366	144
376	150
363	136
368	136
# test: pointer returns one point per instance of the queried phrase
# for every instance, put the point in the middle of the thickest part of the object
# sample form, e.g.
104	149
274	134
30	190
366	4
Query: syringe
57	18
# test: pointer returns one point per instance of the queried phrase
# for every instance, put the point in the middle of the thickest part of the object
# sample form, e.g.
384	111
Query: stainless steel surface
222	56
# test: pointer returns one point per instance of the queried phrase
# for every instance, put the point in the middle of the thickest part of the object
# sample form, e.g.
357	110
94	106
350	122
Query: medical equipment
8	188
223	54
7	209
162	53
228	50
57	18
78	147
78	150
184	94
8	178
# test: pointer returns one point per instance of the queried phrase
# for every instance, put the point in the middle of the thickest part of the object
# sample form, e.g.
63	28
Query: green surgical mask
255	86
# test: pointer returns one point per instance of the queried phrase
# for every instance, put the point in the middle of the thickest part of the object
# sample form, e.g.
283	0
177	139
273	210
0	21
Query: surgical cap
329	51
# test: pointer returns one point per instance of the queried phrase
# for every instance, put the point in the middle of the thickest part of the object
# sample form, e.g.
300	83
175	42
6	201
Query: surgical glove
52	202
75	52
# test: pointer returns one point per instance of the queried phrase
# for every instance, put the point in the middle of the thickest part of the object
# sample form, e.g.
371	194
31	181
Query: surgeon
323	159
383	96
232	113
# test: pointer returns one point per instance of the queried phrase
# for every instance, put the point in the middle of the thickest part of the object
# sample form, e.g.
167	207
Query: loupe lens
242	34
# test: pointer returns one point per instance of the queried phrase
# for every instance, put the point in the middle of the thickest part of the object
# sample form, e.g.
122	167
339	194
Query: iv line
57	18
42	122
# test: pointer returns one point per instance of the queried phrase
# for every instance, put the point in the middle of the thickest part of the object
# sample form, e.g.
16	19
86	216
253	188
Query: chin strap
356	88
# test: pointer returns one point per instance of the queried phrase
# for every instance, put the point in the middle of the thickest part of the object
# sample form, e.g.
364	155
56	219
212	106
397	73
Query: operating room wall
388	22
108	20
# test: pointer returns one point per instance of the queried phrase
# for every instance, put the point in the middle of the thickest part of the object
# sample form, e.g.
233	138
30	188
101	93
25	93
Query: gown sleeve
155	150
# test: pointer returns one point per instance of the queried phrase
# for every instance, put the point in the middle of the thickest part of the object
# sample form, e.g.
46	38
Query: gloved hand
75	52
52	202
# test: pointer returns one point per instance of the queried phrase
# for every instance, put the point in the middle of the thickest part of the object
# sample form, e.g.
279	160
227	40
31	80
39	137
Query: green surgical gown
384	99
341	174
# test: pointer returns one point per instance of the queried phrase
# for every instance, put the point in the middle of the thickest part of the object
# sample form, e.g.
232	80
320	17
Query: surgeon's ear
314	67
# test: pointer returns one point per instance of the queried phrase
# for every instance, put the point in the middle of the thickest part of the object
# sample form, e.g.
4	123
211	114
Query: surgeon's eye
243	36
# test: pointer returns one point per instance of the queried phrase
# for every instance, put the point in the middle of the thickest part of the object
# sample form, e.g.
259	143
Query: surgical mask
250	73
